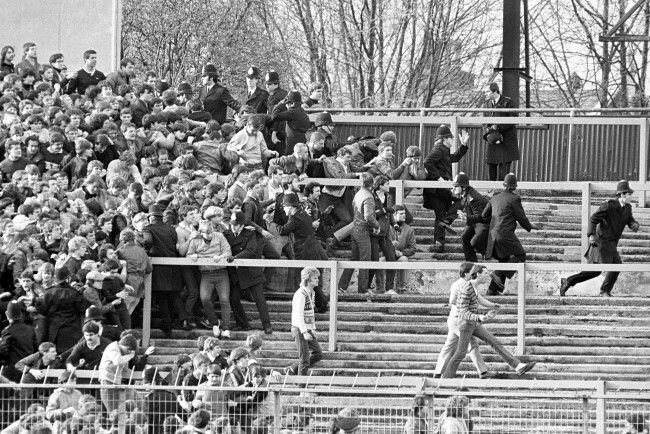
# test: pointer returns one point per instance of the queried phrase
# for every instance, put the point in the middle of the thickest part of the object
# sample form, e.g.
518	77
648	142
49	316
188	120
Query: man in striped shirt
470	323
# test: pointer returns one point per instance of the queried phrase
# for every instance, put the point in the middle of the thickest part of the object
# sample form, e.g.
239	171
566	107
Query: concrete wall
64	26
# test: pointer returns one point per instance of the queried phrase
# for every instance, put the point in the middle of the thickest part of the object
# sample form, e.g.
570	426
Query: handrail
477	110
421	120
334	266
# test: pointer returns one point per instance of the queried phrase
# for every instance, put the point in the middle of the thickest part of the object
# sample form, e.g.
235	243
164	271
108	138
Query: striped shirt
467	303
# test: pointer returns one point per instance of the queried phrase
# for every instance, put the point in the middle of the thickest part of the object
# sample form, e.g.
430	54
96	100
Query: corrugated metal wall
599	152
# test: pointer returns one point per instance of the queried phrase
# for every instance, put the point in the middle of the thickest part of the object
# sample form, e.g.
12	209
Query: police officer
256	97
275	135
323	140
605	228
502	144
291	111
185	93
504	211
215	98
438	168
475	234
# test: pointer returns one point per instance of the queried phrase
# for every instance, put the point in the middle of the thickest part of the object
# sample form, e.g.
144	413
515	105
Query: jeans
449	349
305	360
257	292
113	399
211	280
120	316
361	251
340	211
467	329
191	278
384	279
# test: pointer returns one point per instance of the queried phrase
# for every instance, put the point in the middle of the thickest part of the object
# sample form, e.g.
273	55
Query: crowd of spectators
101	172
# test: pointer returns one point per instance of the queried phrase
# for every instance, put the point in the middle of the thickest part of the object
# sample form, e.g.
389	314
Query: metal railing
335	267
422	120
314	404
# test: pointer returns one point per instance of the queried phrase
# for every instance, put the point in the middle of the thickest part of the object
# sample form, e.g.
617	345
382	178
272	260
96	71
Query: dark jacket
473	204
138	109
64	308
216	101
257	101
505	210
508	150
17	341
306	245
607	224
438	165
297	124
244	246
160	240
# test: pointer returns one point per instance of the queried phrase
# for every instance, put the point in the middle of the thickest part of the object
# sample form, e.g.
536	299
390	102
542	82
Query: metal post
585	415
511	48
454	131
116	42
586	215
643	158
146	311
277	417
521	309
399	192
569	160
600	407
334	299
421	138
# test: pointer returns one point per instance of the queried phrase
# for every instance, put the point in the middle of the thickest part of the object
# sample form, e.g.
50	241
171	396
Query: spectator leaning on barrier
604	232
438	168
402	235
113	367
504	211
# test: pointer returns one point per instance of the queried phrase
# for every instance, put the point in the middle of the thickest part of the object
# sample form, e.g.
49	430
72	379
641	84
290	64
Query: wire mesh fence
210	407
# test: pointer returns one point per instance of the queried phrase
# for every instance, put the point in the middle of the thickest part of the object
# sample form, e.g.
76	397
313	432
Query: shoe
437	247
216	331
205	323
491	292
268	331
564	287
437	375
225	334
487	374
447	227
186	325
523	368
605	294
329	245
238	328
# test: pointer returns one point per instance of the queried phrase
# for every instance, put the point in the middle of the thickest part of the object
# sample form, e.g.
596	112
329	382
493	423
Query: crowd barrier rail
423	120
335	267
382	403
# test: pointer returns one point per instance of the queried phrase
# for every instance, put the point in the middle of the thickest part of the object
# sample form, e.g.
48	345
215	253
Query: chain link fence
72	407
